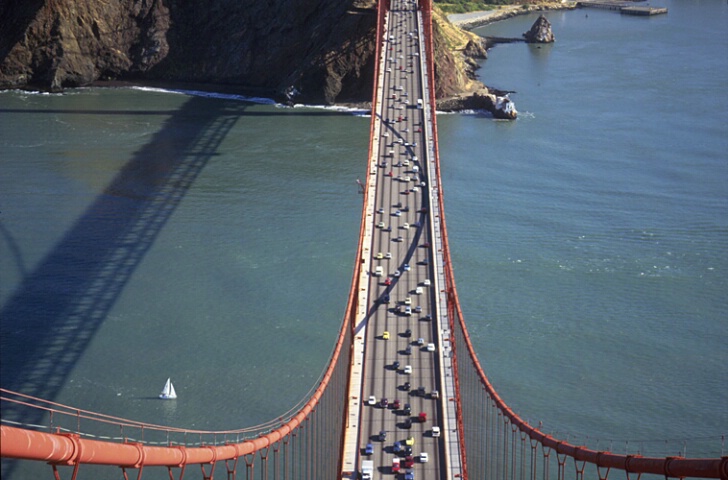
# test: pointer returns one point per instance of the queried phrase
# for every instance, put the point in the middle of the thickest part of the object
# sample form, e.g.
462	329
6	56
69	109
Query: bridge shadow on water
47	324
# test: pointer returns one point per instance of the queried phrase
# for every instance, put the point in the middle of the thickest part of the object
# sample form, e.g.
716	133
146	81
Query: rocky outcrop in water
495	102
316	51
540	31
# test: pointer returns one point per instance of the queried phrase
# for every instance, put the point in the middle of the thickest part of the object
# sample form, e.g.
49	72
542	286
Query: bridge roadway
401	207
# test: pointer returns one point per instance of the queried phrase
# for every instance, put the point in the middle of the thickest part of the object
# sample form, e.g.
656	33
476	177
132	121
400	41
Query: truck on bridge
367	469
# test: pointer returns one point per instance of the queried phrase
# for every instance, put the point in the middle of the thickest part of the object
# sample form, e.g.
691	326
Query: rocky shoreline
468	21
486	98
289	61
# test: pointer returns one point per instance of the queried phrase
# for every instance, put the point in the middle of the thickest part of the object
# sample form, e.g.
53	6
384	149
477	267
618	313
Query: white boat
168	392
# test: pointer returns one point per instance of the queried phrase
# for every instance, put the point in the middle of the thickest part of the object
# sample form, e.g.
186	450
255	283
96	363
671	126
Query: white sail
168	391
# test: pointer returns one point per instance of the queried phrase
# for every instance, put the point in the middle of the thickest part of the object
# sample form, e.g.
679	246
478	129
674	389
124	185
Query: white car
420	341
424	458
427	282
396	273
408	370
430	347
388	255
435	432
372	400
408	311
408	301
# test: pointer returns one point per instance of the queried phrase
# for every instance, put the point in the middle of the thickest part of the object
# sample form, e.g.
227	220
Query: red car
409	461
396	405
423	417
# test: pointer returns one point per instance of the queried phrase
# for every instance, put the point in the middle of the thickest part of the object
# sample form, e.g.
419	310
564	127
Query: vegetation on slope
463	6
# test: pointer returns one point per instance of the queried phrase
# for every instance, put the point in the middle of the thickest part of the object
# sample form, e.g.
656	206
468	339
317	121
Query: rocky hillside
311	50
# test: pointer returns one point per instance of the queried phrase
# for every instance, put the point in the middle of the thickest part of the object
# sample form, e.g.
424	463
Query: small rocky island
540	32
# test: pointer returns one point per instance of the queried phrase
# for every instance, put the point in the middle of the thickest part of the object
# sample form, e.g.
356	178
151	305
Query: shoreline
470	20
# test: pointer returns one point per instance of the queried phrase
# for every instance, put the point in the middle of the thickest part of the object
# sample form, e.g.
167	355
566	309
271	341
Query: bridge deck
402	222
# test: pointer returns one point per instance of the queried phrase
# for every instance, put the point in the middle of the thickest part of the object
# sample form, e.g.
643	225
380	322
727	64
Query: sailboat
168	392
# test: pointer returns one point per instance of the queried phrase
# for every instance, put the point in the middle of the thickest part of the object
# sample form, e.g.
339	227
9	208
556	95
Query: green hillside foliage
463	6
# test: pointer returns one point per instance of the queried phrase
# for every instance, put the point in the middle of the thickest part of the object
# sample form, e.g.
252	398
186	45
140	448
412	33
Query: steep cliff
309	50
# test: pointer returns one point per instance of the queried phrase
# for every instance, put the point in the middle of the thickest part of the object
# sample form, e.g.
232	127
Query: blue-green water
589	238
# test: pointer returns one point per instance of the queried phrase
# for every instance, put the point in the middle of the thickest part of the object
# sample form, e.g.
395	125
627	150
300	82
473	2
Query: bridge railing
499	443
296	445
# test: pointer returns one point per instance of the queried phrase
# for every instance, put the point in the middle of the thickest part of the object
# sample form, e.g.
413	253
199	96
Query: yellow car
410	441
385	336
380	256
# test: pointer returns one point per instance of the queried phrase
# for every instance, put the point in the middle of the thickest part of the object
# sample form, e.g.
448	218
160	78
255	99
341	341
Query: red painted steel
71	449
68	449
669	467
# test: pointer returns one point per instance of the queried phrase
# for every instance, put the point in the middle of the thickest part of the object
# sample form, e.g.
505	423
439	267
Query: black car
406	386
408	332
395	365
407	409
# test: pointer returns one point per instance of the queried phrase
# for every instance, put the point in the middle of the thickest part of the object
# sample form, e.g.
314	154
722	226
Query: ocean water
590	235
149	234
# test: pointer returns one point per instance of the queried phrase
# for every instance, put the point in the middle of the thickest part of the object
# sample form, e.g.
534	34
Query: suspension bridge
404	395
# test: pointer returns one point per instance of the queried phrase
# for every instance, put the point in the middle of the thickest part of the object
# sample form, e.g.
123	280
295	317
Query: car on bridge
435	432
384	402
369	449
424	458
385	335
410	441
372	400
395	465
382	435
